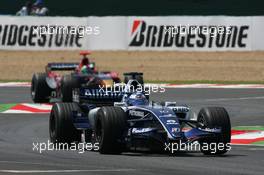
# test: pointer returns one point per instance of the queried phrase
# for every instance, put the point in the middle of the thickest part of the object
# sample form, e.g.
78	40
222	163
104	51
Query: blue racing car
134	123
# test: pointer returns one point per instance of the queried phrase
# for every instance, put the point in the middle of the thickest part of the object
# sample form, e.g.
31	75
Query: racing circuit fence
181	33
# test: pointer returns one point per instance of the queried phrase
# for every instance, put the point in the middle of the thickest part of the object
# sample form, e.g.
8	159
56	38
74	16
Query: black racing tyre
40	91
215	117
133	76
110	127
61	126
68	83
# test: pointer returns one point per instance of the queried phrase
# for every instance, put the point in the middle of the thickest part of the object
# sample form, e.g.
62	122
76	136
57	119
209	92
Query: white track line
15	84
215	86
236	86
11	111
236	99
64	171
249	145
38	106
249	135
52	164
256	149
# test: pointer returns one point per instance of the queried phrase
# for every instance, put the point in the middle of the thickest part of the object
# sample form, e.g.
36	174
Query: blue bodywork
151	122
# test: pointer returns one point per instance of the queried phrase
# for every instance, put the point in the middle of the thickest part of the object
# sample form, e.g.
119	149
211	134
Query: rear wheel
67	85
215	117
40	91
61	126
110	128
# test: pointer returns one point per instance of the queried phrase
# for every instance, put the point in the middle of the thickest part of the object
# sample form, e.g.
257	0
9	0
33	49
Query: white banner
112	33
173	33
258	33
190	33
37	33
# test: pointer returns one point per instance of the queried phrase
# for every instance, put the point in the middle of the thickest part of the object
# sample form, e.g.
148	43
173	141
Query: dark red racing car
52	86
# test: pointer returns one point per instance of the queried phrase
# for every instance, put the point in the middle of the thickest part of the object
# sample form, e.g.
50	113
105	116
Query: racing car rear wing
62	66
65	66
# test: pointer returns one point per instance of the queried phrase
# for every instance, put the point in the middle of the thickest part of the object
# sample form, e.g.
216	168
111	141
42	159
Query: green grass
261	128
20	81
4	107
259	143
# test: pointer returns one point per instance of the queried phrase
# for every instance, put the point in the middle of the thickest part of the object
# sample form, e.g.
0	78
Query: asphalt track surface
19	131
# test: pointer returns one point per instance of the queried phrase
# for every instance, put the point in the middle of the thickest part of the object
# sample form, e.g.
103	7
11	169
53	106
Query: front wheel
215	117
61	126
110	128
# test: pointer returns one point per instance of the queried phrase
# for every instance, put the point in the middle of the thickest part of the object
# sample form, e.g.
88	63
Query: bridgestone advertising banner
33	33
190	33
179	33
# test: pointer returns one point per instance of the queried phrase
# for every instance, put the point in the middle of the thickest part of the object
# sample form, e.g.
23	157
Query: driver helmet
137	98
84	70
